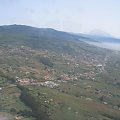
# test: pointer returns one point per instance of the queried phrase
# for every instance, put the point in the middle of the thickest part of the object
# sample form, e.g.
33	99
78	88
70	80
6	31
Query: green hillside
47	74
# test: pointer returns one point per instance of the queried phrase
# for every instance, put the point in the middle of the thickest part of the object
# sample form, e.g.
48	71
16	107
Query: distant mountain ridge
23	29
45	39
33	31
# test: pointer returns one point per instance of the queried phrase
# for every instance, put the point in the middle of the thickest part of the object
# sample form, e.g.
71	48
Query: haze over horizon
80	16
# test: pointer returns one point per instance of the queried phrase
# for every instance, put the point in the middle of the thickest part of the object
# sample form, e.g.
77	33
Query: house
49	84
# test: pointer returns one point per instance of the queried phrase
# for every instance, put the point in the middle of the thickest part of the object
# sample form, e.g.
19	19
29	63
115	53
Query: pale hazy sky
68	15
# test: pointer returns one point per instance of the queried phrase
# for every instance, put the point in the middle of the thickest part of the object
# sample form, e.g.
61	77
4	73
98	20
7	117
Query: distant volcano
100	33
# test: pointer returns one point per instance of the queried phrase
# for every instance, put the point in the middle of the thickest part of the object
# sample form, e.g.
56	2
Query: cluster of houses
97	64
27	81
49	84
88	75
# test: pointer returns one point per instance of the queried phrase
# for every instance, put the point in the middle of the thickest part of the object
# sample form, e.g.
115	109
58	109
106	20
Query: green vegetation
64	106
51	75
46	61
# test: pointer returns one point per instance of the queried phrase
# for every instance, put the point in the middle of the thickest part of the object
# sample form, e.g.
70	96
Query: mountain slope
43	38
52	75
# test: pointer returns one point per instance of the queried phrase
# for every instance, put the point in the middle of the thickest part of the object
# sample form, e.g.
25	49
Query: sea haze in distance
102	39
108	45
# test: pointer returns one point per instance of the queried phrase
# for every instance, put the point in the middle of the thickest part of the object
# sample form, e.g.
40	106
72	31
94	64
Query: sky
78	16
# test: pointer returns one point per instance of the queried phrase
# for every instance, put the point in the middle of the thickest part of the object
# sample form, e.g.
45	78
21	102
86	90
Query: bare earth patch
5	116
